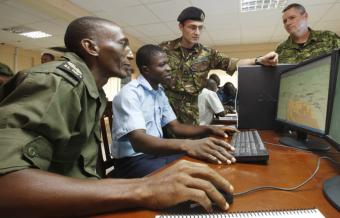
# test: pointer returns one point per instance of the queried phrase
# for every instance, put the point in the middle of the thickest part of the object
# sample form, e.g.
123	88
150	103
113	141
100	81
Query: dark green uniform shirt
189	71
318	43
50	120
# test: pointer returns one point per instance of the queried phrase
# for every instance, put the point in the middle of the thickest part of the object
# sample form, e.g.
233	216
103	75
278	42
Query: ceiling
153	21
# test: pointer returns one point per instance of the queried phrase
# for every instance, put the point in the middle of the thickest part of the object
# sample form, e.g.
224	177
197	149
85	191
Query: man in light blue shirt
140	111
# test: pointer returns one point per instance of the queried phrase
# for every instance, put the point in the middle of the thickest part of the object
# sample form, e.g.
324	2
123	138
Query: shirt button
31	152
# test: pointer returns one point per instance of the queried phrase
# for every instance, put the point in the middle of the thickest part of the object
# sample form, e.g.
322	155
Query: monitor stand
303	142
331	189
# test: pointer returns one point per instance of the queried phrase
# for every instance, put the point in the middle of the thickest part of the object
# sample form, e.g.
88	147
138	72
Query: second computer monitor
331	186
333	133
303	101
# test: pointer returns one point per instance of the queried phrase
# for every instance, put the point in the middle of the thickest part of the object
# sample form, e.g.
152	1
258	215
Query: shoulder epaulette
70	72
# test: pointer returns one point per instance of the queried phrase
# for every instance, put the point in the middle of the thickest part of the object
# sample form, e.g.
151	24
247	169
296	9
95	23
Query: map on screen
303	95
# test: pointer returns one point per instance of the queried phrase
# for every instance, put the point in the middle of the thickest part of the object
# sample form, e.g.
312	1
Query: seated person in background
209	104
47	57
49	133
303	43
141	109
227	95
5	73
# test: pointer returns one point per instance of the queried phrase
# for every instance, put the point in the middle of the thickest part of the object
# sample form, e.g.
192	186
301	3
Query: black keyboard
249	147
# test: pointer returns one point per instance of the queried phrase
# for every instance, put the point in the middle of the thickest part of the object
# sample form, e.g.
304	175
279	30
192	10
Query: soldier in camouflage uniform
49	135
5	73
303	42
191	62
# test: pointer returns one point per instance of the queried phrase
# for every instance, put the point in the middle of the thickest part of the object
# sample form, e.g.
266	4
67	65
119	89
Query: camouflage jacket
318	43
189	71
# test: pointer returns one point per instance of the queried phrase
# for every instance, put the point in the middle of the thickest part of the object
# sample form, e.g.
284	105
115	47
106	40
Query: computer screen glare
303	95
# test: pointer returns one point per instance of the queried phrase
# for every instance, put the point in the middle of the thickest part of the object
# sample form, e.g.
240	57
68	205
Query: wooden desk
286	167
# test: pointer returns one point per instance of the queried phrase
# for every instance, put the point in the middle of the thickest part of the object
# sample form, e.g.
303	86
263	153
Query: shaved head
81	28
100	43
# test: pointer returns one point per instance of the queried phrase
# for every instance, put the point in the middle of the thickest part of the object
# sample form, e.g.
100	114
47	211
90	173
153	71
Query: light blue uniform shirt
138	106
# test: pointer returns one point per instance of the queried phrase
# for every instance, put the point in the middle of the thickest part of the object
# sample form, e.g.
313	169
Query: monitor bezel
335	70
302	128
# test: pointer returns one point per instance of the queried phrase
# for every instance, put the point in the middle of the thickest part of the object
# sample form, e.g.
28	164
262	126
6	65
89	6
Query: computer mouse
229	197
190	206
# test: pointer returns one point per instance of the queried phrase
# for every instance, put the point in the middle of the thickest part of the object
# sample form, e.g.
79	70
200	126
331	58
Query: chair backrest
105	161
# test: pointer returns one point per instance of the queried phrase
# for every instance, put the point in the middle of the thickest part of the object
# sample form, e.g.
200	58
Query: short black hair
295	5
215	78
80	28
229	89
145	54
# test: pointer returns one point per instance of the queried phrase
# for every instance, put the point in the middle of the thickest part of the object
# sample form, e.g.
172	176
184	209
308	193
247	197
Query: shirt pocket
199	65
149	117
39	152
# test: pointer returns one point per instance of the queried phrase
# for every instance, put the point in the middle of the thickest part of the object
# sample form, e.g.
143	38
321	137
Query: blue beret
191	13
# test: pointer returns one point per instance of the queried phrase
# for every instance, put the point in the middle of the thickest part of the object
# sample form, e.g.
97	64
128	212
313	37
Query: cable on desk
285	146
260	188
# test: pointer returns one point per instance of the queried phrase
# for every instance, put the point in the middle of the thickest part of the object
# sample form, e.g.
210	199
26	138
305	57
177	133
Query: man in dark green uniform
5	73
303	42
49	130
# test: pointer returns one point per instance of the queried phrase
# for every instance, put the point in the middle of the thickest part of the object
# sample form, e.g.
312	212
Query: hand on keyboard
222	131
210	149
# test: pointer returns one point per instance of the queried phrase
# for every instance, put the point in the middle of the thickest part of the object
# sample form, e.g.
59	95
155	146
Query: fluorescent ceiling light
258	5
35	34
26	31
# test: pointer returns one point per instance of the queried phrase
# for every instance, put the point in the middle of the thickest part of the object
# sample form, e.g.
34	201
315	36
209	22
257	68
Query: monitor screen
331	186
303	99
334	119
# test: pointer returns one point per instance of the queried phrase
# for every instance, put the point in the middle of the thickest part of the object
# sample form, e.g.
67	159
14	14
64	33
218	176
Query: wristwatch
257	62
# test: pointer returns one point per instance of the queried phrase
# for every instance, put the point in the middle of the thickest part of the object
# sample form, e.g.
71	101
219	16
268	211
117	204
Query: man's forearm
249	61
269	59
189	131
149	144
36	193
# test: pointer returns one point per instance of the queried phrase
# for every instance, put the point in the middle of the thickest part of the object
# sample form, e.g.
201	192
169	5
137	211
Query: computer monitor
257	95
331	187
303	102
